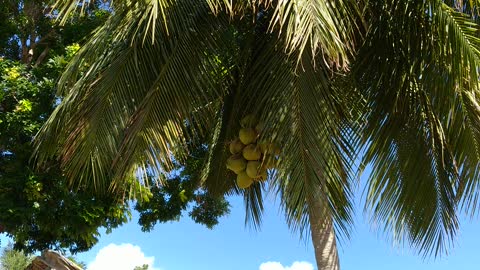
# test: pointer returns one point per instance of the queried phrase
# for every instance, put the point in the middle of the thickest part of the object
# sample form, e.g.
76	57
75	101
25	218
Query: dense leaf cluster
38	207
181	193
31	25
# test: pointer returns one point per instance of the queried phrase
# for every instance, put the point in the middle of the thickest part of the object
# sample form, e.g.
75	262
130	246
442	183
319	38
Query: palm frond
464	137
461	56
253	200
460	44
418	158
302	116
67	7
162	85
411	186
326	28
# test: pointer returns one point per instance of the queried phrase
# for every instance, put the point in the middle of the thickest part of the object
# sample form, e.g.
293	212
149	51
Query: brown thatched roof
51	260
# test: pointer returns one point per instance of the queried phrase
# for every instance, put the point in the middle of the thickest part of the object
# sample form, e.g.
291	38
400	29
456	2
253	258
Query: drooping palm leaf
162	85
324	27
463	135
306	122
415	57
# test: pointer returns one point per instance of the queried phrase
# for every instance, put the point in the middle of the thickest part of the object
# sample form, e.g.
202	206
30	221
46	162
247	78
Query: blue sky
185	245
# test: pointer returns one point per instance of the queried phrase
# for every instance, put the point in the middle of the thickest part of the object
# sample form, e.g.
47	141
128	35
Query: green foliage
28	24
178	192
11	259
38	209
422	124
73	259
410	93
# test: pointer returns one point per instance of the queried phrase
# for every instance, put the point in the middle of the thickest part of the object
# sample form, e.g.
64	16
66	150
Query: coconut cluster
250	160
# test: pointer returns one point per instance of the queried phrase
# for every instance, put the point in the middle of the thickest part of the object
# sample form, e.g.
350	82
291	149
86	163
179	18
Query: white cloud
279	266
120	257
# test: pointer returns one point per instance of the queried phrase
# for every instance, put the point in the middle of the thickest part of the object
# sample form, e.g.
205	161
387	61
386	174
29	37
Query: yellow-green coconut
253	168
243	180
251	152
247	135
236	163
236	146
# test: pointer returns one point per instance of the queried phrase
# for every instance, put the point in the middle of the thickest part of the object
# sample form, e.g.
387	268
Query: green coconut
236	163
249	121
263	175
247	135
253	168
243	180
259	127
251	152
236	146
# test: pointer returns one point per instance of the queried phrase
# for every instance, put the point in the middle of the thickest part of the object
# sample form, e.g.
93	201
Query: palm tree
395	81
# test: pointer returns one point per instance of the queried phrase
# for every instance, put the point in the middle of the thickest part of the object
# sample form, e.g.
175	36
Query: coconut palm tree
394	81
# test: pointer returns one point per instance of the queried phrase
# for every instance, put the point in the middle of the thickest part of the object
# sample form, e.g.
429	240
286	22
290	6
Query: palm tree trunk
323	235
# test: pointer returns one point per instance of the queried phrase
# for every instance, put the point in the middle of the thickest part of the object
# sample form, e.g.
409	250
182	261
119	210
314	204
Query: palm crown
394	81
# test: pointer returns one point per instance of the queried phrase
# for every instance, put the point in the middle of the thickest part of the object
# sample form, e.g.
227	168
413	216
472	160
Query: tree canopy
38	209
394	80
30	32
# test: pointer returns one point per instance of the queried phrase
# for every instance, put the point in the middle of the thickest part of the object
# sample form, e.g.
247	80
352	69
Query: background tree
143	267
30	32
181	193
12	259
38	209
